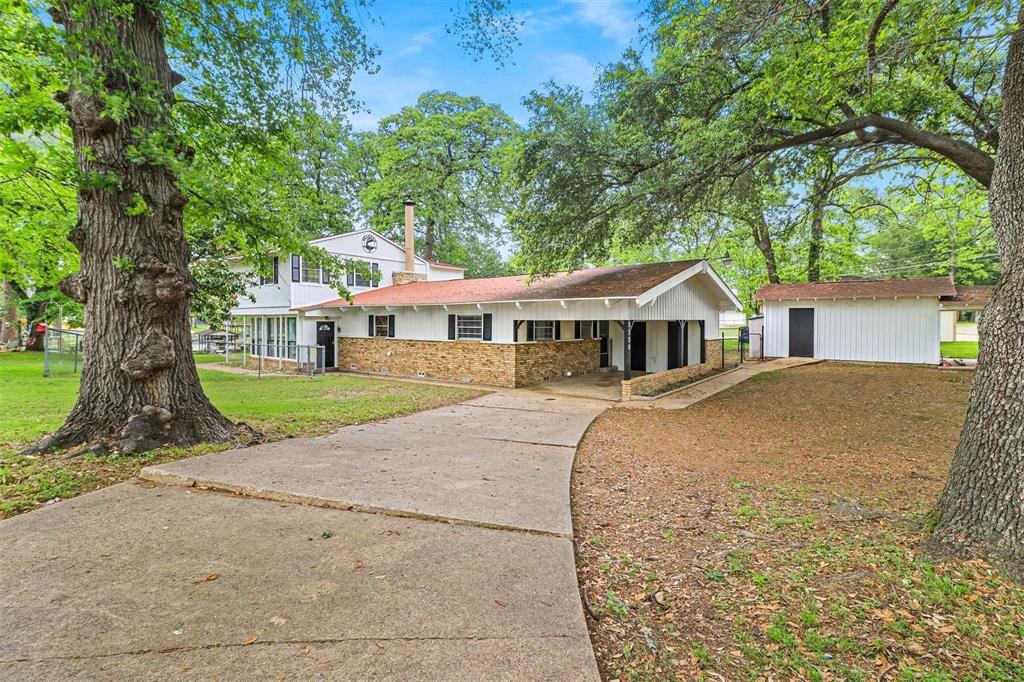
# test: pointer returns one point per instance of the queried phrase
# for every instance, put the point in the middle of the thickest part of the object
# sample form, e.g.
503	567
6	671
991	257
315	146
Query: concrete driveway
434	546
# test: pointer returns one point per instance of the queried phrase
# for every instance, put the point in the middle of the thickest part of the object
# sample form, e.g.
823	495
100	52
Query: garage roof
619	281
860	288
976	296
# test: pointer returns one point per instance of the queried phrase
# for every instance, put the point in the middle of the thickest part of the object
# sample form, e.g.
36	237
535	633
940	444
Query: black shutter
391	326
323	275
350	276
277	268
374	279
558	330
451	327
703	345
296	268
595	330
576	329
515	330
370	330
487	326
529	330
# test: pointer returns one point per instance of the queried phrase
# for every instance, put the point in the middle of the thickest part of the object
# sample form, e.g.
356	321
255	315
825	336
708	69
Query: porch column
627	360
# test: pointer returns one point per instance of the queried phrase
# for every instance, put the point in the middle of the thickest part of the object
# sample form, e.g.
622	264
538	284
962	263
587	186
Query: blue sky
564	41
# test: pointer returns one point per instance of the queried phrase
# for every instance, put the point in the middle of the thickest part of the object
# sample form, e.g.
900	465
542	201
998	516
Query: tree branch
970	159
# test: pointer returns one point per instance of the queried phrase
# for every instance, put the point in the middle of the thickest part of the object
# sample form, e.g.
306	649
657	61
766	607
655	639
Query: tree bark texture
139	387
982	507
10	328
429	238
763	241
819	197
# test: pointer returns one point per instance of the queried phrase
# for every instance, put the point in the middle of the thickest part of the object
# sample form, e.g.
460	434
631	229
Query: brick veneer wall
543	360
497	364
648	383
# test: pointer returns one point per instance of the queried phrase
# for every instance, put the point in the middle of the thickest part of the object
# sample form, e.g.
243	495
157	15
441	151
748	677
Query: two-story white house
275	319
421	318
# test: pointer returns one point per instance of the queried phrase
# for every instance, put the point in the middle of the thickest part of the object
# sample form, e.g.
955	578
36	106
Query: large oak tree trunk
982	508
763	240
139	386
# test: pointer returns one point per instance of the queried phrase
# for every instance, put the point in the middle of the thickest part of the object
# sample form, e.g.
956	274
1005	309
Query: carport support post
627	331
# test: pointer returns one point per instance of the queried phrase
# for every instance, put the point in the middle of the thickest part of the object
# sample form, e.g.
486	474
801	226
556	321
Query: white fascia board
262	310
702	267
717	279
670	283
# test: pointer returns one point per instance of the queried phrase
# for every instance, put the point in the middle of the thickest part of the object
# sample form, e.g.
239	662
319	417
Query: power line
896	269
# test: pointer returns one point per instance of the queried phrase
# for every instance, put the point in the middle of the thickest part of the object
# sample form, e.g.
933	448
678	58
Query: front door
801	332
674	344
325	338
638	347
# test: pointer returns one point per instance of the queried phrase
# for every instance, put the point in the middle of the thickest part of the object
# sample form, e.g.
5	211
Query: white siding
883	330
948	325
389	257
693	344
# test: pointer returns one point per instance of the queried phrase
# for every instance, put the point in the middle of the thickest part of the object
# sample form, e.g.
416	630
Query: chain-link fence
62	351
294	358
744	346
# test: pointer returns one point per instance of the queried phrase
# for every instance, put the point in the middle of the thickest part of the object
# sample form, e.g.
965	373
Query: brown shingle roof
613	281
862	288
977	295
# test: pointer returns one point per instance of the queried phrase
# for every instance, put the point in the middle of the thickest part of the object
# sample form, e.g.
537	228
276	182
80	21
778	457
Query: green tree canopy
451	155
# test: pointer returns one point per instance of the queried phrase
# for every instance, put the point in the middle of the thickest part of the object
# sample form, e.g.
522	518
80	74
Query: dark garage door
801	332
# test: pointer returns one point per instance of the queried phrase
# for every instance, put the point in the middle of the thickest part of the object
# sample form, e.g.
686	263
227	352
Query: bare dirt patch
770	532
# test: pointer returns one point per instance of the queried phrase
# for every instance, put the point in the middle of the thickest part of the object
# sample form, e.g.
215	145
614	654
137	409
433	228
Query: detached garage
861	320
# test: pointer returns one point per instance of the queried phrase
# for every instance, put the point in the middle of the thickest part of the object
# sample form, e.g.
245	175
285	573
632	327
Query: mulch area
771	532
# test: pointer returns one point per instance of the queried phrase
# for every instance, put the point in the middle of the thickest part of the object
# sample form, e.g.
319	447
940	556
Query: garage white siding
882	330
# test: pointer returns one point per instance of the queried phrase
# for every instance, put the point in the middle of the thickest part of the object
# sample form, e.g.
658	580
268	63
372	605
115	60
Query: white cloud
415	44
385	94
612	16
535	22
571	68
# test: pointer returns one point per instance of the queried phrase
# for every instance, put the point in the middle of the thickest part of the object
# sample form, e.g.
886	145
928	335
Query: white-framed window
292	324
544	330
355	278
380	325
310	272
469	327
586	329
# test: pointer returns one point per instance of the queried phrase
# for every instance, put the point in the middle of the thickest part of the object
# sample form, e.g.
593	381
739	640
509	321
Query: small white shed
860	320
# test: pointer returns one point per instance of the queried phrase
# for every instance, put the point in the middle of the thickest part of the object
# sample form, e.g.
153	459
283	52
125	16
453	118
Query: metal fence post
46	352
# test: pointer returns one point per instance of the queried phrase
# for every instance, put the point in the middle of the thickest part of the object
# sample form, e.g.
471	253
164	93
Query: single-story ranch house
510	331
425	320
894	320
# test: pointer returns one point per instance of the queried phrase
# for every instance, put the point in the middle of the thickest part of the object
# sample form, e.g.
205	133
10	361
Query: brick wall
399	278
543	360
713	353
648	383
483	363
497	364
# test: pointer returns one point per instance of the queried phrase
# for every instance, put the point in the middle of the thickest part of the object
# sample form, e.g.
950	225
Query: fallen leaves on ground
772	532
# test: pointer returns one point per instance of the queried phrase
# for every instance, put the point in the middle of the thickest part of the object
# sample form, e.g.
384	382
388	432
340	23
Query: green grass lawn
281	406
959	349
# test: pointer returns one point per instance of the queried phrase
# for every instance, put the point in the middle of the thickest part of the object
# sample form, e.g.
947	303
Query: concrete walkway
702	389
433	546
